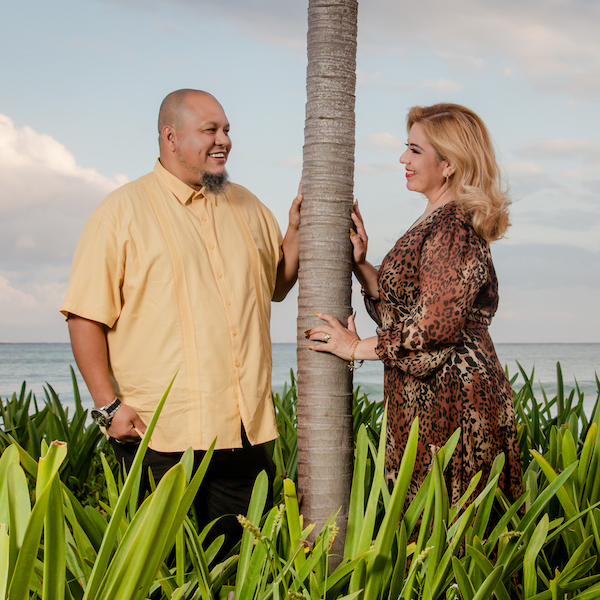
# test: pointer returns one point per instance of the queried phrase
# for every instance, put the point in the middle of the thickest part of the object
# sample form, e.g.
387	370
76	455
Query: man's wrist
103	415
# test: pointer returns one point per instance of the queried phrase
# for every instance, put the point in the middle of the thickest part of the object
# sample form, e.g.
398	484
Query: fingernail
310	347
317	314
352	232
355	201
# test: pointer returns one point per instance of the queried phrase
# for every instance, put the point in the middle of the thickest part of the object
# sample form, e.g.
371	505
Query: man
174	273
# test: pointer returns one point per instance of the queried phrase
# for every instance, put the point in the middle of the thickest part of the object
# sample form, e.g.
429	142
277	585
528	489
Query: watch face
100	417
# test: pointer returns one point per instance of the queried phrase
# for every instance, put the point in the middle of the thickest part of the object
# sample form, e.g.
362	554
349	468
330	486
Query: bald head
174	108
194	139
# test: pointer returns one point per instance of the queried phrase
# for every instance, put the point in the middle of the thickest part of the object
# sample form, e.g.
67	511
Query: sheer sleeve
372	306
451	270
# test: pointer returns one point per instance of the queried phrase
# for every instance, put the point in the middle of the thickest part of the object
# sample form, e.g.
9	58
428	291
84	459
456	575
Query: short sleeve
94	290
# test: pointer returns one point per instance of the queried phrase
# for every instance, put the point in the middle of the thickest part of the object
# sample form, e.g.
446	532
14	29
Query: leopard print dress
438	294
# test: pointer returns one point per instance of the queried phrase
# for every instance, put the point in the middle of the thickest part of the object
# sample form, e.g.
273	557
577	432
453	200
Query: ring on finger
327	337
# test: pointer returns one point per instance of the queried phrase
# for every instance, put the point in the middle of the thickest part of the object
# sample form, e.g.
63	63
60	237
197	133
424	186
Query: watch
103	415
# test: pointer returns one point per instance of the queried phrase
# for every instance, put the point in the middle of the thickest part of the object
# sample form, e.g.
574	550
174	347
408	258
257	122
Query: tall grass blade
105	552
55	551
383	542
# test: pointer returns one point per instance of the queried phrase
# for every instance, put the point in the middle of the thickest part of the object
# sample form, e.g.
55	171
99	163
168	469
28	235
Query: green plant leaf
55	553
530	579
104	554
383	542
132	569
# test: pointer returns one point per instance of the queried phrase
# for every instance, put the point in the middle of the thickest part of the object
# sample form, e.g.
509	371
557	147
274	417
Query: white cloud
544	287
272	21
464	61
45	196
45	199
557	47
580	149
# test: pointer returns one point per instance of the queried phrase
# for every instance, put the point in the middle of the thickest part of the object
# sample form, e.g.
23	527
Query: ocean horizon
40	365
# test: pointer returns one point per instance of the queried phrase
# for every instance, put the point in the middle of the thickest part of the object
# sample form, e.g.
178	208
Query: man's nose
222	139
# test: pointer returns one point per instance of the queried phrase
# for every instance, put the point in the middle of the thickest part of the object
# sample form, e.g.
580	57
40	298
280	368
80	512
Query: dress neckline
418	223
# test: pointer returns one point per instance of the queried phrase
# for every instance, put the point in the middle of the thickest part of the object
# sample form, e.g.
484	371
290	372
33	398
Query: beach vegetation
545	546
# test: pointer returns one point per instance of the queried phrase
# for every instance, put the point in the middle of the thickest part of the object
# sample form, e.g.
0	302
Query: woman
433	298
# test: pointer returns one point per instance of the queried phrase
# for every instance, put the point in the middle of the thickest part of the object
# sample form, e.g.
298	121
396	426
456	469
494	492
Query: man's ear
168	137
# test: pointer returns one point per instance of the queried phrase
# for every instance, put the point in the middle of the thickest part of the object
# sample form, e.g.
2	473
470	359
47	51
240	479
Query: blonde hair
460	137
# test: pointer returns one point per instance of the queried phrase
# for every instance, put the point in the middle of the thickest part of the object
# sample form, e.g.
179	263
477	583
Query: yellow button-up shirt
183	279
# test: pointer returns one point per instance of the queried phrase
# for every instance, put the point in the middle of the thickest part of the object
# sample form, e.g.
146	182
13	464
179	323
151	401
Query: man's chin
215	182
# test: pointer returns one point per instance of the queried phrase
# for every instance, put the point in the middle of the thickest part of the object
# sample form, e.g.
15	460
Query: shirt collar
182	191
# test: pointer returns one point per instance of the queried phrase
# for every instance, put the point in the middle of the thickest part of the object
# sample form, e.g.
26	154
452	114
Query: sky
82	81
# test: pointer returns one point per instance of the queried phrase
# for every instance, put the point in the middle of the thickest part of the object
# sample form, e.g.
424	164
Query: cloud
580	149
45	197
557	49
271	21
547	293
45	200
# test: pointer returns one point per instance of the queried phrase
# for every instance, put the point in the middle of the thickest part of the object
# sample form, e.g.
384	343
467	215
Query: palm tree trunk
325	445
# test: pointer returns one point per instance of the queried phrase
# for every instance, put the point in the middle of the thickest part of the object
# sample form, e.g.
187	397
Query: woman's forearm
366	274
365	349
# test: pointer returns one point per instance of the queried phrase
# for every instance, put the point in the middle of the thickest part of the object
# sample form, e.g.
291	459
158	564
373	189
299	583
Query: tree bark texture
325	444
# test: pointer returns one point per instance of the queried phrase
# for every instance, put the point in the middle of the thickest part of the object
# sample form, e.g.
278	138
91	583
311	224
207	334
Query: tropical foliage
544	546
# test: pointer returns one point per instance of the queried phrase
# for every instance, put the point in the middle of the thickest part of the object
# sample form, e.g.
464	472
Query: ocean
42	365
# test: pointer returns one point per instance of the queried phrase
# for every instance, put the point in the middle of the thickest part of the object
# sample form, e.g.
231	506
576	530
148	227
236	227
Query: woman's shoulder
451	223
448	217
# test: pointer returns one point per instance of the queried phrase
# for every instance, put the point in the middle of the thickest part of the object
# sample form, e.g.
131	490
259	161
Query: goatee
216	183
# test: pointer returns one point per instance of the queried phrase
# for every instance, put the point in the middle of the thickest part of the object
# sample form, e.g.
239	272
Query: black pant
225	490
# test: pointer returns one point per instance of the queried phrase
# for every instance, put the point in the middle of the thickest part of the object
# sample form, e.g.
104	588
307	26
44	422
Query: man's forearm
88	341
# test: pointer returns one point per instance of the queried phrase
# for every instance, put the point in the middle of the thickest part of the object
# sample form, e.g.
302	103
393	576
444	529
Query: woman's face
424	171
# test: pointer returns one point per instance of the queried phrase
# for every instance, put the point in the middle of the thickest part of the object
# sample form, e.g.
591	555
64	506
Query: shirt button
212	246
238	364
234	332
228	302
219	274
204	219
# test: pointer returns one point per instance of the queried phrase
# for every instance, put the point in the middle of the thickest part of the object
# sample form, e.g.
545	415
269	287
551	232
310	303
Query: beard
216	183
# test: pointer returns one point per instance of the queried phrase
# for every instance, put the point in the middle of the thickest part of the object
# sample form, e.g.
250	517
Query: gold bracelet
351	364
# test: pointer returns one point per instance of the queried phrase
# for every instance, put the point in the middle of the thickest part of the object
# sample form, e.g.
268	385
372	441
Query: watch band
109	405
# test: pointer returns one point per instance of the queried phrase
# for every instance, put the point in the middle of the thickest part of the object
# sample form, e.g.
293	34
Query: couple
175	272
